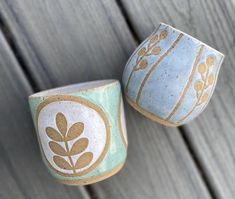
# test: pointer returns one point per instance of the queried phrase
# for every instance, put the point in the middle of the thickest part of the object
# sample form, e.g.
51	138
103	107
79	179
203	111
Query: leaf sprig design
201	86
151	49
65	135
205	82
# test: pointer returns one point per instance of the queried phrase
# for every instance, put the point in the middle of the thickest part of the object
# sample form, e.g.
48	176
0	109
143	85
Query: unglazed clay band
149	115
76	126
94	179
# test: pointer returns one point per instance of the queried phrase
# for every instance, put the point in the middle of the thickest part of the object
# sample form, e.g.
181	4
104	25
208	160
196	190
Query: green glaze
107	98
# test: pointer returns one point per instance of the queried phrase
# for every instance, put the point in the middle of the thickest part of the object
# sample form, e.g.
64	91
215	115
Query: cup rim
193	38
74	88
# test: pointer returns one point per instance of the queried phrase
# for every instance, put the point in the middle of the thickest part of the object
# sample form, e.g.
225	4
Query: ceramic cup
171	76
81	130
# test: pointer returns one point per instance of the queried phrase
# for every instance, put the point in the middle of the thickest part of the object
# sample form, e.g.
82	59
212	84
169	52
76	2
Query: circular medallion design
74	134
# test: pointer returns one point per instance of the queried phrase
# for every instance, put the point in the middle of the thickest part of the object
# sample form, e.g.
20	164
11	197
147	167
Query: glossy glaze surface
171	76
81	130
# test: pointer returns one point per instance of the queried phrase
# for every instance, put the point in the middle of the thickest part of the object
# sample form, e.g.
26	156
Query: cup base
94	179
149	115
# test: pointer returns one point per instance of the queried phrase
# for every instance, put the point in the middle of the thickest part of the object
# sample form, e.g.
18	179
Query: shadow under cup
81	131
171	76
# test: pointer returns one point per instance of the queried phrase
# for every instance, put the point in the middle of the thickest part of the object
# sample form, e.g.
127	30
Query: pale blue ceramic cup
171	76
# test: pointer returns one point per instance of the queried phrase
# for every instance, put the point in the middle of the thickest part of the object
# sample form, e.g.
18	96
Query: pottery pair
81	128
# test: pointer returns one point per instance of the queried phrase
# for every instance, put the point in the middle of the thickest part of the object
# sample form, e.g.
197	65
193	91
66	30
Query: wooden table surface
49	43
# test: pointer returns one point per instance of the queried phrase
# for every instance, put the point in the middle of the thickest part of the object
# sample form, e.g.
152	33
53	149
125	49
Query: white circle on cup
95	131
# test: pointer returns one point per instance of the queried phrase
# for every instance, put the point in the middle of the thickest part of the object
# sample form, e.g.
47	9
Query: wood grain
211	136
71	41
158	165
22	173
9	181
58	45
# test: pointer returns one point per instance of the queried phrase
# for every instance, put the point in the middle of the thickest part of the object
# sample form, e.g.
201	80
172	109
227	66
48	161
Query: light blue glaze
108	100
165	88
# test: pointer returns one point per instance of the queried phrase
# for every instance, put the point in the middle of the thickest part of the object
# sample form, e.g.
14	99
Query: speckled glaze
81	131
171	76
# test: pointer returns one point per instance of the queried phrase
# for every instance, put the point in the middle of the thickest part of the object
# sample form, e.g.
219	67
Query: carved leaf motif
61	123
143	64
211	79
84	160
79	146
198	85
142	52
75	131
54	134
62	163
156	51
204	97
163	34
210	61
154	39
57	149
202	68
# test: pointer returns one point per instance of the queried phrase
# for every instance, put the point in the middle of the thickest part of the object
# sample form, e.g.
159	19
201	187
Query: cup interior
74	88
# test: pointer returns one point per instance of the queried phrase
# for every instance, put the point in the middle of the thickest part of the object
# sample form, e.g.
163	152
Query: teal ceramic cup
81	131
171	76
